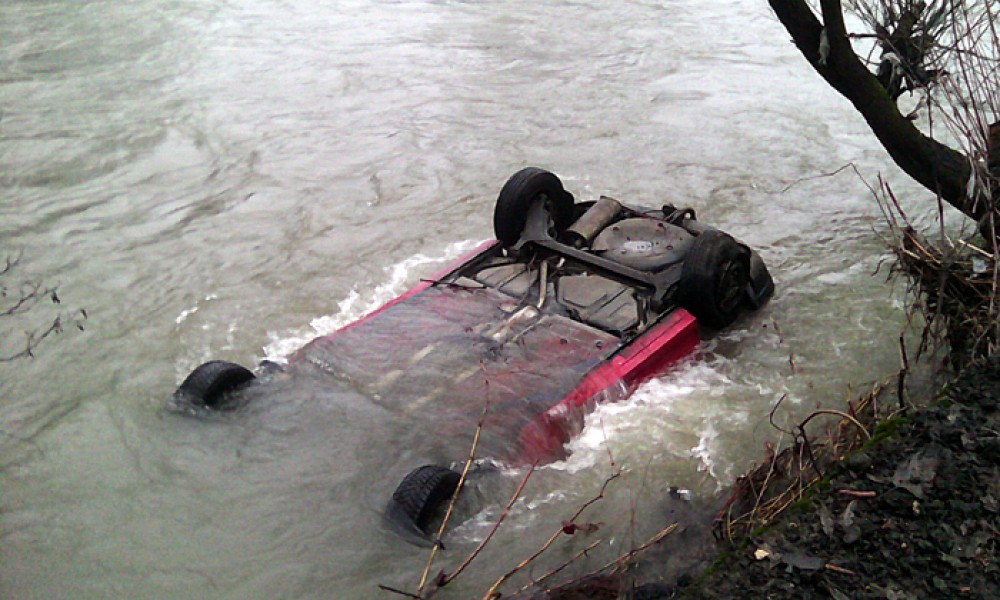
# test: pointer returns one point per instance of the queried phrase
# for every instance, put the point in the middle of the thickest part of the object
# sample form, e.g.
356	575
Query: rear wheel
210	383
714	279
521	191
422	495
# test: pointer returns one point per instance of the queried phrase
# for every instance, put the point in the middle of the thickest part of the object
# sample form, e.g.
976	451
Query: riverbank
914	515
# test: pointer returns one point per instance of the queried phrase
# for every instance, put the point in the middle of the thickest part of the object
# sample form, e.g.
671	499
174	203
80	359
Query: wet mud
916	515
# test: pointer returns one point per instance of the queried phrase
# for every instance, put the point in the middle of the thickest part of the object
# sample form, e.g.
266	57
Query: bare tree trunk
826	46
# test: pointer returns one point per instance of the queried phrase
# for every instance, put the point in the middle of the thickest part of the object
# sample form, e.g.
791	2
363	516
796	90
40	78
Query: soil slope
914	516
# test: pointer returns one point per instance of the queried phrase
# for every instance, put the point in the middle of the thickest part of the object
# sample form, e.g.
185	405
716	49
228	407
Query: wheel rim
730	288
550	221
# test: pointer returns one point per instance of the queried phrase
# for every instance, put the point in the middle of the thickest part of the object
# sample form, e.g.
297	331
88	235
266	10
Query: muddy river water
230	178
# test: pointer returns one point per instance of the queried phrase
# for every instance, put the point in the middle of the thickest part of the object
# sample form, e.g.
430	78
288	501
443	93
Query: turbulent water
229	178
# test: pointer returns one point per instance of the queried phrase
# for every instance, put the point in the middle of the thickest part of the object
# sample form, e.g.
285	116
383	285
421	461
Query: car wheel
210	383
422	494
714	279
520	193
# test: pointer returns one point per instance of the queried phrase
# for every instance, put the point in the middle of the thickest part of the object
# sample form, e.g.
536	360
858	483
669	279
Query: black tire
761	286
517	196
209	384
714	279
421	495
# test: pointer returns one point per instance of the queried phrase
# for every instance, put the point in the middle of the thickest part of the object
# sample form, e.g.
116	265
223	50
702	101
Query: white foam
359	303
187	312
678	396
707	437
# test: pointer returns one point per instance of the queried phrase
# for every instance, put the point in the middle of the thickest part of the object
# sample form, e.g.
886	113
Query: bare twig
772	468
774	409
393	590
448	578
833	173
630	556
18	300
32	340
781	342
557	570
903	371
857	493
838	413
804	439
841	570
613	565
492	592
458	489
768	490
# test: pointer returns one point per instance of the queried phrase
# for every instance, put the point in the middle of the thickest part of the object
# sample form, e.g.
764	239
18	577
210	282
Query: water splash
656	420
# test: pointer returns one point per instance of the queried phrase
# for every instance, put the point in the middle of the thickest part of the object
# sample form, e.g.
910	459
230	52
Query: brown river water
230	178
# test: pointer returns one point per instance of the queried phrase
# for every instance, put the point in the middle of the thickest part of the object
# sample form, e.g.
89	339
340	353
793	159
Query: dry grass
785	476
953	285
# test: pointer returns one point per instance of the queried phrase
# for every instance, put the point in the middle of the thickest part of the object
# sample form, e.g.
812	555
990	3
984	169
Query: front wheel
422	496
210	384
519	194
714	279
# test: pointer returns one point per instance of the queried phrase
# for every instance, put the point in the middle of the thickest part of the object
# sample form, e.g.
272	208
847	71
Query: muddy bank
914	515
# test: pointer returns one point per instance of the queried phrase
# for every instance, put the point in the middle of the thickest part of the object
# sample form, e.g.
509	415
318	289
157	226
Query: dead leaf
915	472
826	521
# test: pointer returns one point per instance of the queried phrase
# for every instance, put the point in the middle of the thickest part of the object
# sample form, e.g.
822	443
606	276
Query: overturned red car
572	304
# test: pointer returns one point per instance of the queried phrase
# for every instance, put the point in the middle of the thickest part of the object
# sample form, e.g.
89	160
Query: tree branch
17	303
937	167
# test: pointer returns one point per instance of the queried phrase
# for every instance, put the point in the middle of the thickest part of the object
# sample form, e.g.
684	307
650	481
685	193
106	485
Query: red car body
429	351
572	305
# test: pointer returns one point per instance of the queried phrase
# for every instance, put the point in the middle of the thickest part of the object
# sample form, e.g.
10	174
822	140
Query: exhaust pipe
590	223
